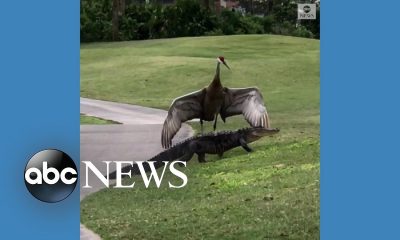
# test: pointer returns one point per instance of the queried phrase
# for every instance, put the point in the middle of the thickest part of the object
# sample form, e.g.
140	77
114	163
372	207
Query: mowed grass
271	193
85	120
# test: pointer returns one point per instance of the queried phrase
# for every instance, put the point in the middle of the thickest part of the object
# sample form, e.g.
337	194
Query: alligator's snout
256	133
261	132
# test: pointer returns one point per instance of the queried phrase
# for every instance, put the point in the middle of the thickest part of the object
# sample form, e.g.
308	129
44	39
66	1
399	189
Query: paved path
86	234
138	138
121	112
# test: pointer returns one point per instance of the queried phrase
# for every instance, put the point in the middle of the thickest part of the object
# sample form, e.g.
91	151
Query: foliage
285	11
229	22
215	32
251	25
268	23
96	20
188	18
302	31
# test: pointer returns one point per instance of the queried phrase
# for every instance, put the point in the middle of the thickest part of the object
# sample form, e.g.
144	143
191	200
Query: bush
215	32
268	23
184	18
96	21
251	25
302	31
128	28
229	21
285	28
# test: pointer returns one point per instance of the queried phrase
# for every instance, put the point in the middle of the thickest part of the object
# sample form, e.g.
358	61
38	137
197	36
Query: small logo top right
306	11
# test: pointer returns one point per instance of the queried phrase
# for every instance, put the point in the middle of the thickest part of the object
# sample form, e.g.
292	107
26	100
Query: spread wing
182	109
246	101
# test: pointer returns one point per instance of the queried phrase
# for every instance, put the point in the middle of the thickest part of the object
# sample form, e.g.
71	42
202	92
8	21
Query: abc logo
307	9
51	175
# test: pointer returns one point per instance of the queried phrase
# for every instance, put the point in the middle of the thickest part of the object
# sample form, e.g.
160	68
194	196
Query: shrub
95	21
215	32
268	23
302	31
285	28
185	18
251	25
128	28
229	21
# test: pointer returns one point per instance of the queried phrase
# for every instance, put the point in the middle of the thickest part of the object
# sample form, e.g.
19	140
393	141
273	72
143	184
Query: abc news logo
51	175
306	11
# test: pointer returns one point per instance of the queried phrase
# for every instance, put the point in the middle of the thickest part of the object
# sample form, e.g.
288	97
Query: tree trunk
118	9
206	4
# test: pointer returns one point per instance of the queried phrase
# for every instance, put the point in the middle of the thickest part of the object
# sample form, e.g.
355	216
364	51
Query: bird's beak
226	65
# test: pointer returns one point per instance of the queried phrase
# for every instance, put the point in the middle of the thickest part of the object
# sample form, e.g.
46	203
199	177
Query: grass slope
272	193
94	120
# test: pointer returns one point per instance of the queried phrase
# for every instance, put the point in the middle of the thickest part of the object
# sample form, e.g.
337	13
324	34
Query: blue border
39	99
39	72
360	164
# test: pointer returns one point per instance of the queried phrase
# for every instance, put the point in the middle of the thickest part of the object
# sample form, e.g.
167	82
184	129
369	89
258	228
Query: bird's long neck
216	82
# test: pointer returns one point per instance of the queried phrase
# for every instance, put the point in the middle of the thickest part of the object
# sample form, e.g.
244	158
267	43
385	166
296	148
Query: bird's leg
215	122
201	125
201	157
244	145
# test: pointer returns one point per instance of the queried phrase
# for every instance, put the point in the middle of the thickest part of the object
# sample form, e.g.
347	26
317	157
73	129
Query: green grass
95	120
272	193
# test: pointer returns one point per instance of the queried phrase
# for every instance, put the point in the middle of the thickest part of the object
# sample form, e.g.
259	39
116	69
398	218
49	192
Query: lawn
94	120
272	193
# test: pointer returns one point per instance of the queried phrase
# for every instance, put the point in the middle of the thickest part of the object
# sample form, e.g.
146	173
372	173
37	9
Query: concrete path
122	113
86	234
137	139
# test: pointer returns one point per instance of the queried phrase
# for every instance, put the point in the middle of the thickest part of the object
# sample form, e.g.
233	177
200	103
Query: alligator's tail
171	154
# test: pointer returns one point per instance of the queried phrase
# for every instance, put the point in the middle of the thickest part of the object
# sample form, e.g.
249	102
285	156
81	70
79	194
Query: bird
212	100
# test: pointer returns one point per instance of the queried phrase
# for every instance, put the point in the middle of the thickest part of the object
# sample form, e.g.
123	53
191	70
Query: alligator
211	143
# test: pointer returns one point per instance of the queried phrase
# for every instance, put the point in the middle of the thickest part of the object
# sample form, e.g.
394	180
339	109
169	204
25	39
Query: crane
212	100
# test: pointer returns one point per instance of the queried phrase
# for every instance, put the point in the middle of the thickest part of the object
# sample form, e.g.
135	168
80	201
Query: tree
118	10
206	4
